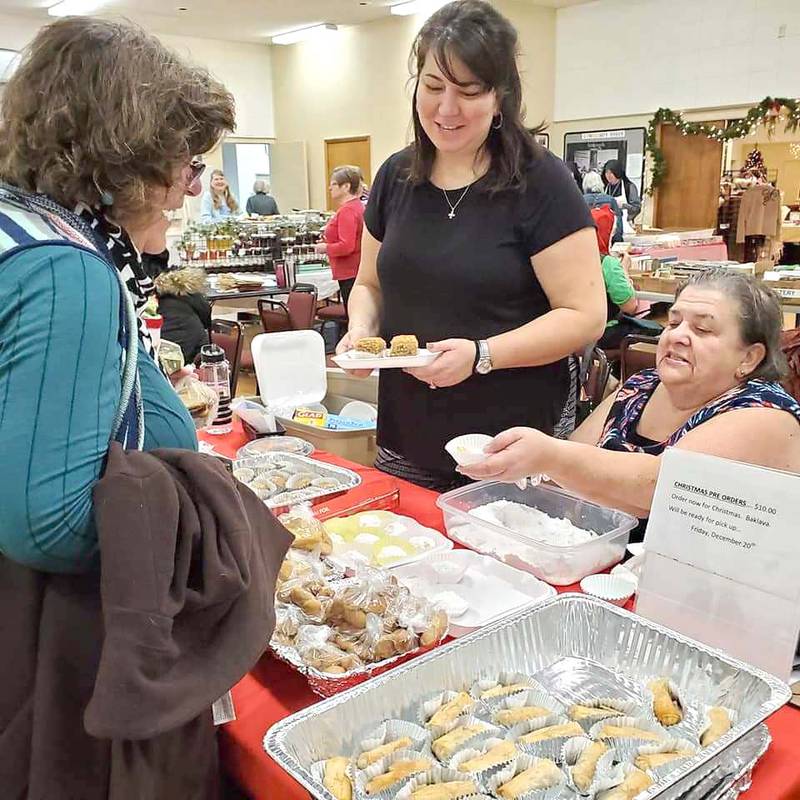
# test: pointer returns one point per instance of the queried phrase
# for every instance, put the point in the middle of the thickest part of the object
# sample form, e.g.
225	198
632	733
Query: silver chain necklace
453	207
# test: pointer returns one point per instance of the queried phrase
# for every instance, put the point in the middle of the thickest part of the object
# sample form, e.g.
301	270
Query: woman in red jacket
343	232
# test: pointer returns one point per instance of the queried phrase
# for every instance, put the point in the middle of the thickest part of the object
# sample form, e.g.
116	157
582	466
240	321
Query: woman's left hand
454	365
321	248
514	454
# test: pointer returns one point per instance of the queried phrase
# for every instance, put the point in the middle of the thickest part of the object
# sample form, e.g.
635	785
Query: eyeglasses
197	168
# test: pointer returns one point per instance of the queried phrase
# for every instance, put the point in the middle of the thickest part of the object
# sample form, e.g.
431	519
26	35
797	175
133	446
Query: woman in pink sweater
343	233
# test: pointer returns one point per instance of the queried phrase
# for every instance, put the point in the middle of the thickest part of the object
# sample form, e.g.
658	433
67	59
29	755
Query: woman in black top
477	241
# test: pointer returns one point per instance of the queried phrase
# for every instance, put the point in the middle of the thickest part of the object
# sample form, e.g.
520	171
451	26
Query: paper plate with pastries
402	352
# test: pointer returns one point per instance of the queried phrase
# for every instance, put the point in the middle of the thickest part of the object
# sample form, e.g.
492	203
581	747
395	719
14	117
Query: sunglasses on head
197	168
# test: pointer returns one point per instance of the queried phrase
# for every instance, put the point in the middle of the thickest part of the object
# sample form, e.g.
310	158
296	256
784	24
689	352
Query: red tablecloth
273	691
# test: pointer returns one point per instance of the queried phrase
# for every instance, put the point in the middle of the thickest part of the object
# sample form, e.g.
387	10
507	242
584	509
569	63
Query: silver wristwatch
484	364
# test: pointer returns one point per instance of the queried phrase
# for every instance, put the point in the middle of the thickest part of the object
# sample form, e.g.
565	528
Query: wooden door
688	197
355	151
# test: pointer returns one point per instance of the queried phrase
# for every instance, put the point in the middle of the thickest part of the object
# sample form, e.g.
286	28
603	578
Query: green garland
770	111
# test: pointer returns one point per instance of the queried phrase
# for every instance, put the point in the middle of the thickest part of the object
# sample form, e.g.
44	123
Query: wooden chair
296	314
637	353
228	336
594	375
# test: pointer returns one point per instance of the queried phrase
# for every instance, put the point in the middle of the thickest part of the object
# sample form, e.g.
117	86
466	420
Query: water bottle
290	266
215	372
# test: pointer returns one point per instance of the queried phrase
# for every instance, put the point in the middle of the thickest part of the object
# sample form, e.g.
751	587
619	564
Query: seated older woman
714	391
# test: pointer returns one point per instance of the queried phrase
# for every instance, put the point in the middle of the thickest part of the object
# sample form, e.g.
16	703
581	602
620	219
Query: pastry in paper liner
535	699
599	772
363	778
714	725
557	729
666	705
463	732
692	711
494	689
633	782
606	708
621	734
439	776
496	784
438	704
318	770
389	731
482	747
681	748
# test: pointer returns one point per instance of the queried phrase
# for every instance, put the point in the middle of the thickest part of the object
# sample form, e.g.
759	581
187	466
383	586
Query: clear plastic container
560	566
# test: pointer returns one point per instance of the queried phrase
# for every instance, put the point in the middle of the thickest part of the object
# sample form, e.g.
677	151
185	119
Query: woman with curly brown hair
99	131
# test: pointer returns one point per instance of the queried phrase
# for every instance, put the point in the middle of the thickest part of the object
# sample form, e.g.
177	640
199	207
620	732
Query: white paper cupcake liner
428	707
549	748
363	777
478	748
526	761
621	773
438	775
627	746
487	729
670	746
533	697
468	449
318	771
502	679
605	776
624	708
705	721
389	731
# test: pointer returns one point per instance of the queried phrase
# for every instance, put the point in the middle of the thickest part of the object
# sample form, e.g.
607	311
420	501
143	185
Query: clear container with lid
555	564
215	372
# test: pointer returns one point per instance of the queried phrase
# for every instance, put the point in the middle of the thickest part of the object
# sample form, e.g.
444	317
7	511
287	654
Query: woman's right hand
348	342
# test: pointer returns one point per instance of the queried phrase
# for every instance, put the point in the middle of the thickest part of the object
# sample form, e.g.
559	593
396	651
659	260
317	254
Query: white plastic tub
556	565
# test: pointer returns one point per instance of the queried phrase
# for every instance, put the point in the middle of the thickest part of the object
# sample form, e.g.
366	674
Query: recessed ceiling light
301	35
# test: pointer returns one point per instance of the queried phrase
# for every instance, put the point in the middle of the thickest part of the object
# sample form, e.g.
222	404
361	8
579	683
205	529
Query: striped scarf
124	255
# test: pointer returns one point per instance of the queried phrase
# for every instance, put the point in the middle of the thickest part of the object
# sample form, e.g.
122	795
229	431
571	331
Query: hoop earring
499	124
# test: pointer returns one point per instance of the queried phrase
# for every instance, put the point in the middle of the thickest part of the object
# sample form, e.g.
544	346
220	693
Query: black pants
345	287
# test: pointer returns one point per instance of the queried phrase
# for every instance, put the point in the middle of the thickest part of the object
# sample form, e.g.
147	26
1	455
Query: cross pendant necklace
454	206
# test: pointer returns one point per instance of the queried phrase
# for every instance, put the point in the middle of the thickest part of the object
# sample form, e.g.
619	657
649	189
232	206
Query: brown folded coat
107	678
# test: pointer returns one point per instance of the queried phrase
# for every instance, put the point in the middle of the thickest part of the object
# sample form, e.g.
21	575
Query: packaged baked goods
201	402
309	533
313	646
404	346
371	344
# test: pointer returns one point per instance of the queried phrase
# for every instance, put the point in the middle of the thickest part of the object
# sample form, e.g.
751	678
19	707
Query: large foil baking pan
577	647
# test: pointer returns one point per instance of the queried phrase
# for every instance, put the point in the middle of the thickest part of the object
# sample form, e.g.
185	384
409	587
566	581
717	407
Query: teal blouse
60	363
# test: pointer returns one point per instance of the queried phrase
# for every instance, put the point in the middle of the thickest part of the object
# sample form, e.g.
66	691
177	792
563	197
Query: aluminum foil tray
575	646
346	479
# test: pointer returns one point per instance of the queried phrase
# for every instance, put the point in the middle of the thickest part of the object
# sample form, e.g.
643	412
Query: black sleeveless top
468	277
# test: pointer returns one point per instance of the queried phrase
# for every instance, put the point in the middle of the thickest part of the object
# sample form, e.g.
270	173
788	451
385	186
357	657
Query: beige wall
356	84
244	68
